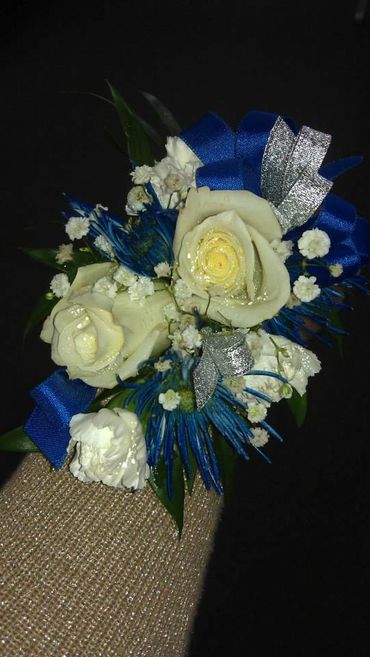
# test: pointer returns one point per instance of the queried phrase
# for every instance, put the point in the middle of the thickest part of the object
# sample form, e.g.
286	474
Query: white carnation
305	288
64	253
60	285
169	400
282	356
314	243
77	227
109	447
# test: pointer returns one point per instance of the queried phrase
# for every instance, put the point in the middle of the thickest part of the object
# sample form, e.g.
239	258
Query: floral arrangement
177	325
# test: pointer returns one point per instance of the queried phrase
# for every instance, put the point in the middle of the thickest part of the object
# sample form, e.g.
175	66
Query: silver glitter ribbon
225	355
289	176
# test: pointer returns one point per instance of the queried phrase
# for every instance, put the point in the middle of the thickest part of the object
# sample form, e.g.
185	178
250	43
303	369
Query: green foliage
42	309
138	147
164	114
17	441
226	457
158	482
80	258
298	406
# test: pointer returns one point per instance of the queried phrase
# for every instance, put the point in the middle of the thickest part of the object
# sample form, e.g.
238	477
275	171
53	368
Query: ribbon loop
289	176
57	399
225	355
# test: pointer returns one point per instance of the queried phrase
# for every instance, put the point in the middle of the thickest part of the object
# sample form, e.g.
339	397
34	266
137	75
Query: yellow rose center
218	260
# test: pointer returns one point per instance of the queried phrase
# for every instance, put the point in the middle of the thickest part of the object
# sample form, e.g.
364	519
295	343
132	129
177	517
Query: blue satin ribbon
57	399
233	159
349	234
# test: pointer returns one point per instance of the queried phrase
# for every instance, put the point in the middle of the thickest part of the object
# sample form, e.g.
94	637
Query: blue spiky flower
138	242
182	428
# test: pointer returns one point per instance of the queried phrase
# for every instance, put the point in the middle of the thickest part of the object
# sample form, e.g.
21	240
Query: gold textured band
89	571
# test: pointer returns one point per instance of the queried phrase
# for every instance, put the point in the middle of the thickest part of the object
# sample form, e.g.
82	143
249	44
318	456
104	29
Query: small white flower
107	286
175	182
260	437
77	227
137	198
163	365
336	270
171	313
236	384
141	175
124	276
314	243
283	248
191	338
169	400
59	285
104	245
163	269
64	253
141	288
305	288
182	291
256	412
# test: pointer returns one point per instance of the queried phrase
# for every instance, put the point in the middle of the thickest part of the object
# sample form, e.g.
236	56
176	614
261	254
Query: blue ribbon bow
58	398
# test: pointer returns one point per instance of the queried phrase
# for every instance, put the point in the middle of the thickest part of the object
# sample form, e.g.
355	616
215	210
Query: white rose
98	337
109	447
223	249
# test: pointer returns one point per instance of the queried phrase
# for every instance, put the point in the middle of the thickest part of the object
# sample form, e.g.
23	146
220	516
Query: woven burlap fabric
89	571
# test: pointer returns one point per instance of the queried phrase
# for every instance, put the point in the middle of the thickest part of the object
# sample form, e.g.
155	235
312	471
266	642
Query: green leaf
46	256
226	456
42	309
158	482
118	401
151	132
193	471
137	142
164	114
114	141
335	320
17	441
298	406
80	258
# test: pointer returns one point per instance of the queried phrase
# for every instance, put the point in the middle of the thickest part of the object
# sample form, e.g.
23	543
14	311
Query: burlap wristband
90	571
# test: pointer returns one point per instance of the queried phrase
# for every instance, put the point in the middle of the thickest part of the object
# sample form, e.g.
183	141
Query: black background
289	574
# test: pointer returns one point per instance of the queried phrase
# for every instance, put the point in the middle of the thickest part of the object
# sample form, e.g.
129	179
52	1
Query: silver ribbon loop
289	176
225	355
